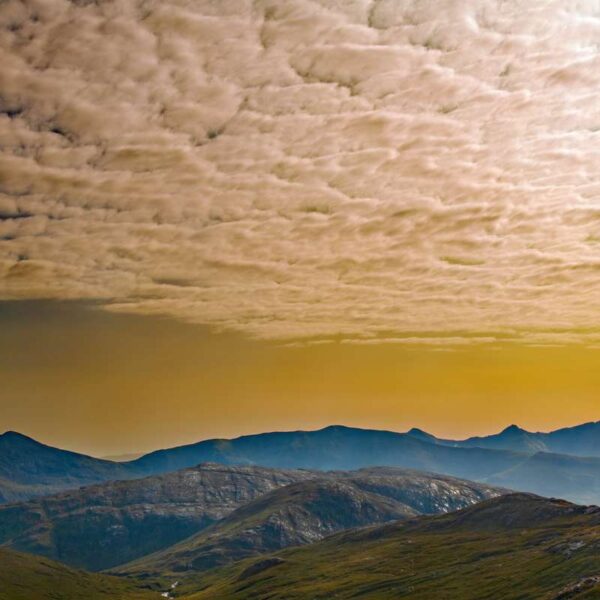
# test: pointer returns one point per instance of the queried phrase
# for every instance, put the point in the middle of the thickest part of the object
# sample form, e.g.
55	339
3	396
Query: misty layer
391	170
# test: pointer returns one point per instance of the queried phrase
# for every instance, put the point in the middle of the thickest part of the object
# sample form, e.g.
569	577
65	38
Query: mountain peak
513	429
335	427
416	432
339	429
14	435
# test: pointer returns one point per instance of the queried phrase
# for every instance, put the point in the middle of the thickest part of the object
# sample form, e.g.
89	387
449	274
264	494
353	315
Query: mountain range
581	440
510	459
101	526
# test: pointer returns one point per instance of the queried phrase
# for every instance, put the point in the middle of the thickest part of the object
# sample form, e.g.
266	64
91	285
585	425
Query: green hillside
514	547
26	577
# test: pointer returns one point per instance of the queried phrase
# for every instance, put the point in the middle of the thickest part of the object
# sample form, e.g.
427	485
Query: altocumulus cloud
416	172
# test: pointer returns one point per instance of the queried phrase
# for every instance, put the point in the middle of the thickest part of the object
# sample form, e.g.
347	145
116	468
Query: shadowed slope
29	469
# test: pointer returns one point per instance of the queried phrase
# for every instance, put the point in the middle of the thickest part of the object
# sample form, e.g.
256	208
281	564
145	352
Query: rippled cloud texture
397	170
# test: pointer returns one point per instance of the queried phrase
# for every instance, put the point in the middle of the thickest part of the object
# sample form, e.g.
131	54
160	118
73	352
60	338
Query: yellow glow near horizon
105	384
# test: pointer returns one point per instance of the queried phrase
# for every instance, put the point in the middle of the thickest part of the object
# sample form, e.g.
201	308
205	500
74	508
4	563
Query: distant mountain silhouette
334	447
511	458
338	447
29	468
580	440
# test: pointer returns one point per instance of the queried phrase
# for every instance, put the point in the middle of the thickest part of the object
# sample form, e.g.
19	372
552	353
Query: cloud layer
397	170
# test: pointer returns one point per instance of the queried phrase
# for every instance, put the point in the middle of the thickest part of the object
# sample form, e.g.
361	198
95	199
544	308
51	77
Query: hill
26	577
29	468
516	546
100	526
304	512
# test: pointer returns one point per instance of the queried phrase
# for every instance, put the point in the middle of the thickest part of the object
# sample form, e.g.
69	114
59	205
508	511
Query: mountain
298	514
26	577
123	457
331	448
306	511
517	546
581	440
337	447
100	526
29	468
570	477
511	438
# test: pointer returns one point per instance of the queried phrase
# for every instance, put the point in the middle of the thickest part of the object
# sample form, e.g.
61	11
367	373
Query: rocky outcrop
307	511
104	525
101	526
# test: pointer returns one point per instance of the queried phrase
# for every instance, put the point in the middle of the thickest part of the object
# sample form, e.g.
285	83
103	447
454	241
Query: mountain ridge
306	511
579	440
101	526
29	468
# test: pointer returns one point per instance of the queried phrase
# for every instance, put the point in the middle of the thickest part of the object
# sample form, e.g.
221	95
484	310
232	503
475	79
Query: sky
285	213
82	378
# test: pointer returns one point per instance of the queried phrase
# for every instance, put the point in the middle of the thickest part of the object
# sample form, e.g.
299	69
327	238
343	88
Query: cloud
305	169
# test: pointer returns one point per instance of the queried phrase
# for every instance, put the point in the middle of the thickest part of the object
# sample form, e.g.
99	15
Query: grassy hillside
25	577
514	547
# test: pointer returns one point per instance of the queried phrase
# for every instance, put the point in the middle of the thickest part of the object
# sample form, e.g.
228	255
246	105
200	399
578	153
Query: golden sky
290	213
93	381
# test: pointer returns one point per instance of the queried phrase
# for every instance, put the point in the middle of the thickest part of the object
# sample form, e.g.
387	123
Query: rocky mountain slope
26	577
304	512
517	546
298	514
100	526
